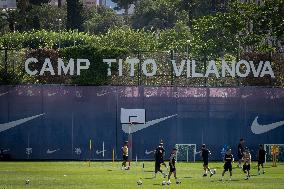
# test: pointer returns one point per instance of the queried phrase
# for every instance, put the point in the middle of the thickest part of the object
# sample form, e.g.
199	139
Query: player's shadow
156	184
149	178
188	177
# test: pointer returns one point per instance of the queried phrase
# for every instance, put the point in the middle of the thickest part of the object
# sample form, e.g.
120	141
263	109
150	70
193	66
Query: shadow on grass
149	178
188	177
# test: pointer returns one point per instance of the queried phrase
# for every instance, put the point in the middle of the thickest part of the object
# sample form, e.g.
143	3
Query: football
164	182
27	181
139	182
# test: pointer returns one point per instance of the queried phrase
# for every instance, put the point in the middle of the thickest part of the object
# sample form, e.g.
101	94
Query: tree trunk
59	3
126	9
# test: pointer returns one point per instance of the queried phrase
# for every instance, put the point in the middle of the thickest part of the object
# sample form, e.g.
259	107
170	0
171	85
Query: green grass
108	175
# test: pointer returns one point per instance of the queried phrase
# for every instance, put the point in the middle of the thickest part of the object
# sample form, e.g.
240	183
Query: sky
109	3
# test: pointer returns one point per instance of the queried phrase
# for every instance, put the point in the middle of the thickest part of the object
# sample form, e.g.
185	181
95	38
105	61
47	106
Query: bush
97	72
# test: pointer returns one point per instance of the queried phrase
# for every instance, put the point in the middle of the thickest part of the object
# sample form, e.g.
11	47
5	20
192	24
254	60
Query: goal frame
194	152
268	152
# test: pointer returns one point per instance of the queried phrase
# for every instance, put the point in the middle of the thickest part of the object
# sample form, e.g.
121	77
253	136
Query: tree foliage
100	19
74	15
159	14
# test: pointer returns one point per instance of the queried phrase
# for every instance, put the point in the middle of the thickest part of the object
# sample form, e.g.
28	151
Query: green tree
100	19
159	14
124	5
47	17
74	15
38	2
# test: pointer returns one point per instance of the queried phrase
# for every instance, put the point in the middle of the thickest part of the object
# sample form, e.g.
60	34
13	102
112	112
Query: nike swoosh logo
138	127
256	128
6	150
51	94
148	152
102	94
9	125
2	94
99	152
51	151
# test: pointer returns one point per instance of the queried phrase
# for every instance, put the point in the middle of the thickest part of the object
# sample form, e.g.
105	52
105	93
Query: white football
27	181
139	182
164	182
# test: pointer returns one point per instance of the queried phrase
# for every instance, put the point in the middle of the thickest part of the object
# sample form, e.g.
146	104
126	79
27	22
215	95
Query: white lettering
28	61
109	61
47	67
247	70
80	67
195	74
254	71
212	69
132	62
154	67
120	67
69	66
225	67
178	69
267	70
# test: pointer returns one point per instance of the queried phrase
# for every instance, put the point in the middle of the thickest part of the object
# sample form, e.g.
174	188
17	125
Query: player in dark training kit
172	164
228	159
159	159
241	150
204	154
260	158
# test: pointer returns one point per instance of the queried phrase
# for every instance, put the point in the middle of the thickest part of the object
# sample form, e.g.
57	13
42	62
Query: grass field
109	175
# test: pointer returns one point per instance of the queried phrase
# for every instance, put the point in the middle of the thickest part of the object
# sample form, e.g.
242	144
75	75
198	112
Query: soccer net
268	149
186	152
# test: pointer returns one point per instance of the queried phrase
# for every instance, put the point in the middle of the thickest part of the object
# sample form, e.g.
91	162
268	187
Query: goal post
269	148
186	152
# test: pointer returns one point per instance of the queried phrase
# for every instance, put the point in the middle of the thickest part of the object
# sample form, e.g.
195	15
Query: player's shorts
228	166
261	161
172	168
240	156
246	167
205	162
161	160
125	158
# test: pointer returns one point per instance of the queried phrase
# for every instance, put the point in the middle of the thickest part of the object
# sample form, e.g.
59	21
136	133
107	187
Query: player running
261	158
204	154
172	164
159	159
247	162
240	152
228	163
124	150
